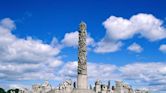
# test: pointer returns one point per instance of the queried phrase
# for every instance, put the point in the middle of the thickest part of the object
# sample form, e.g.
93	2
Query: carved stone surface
82	61
82	64
44	88
82	91
82	84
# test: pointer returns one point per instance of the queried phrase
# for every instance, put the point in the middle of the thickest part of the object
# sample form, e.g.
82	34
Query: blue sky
122	35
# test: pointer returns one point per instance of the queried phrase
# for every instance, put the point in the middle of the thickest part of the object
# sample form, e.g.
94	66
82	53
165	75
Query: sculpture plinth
82	77
82	81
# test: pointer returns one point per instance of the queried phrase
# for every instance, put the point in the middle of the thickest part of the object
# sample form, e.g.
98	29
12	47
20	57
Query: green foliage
9	90
15	90
2	90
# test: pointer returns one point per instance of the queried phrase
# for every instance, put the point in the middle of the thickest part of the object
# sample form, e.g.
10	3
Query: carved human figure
82	65
82	82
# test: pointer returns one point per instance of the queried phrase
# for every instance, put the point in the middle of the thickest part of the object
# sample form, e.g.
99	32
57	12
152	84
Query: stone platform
82	91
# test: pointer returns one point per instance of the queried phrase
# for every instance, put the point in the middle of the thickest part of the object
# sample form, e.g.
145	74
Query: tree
9	91
15	90
2	90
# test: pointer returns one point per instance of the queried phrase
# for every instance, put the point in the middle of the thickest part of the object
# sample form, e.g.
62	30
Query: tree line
8	91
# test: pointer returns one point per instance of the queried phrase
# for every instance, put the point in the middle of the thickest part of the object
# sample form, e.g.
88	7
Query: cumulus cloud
8	23
135	48
163	48
101	71
145	25
145	71
69	70
149	75
30	59
94	70
18	86
20	57
71	39
152	74
107	46
118	29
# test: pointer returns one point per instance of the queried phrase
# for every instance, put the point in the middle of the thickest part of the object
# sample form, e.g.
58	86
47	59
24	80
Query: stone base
82	81
73	91
82	91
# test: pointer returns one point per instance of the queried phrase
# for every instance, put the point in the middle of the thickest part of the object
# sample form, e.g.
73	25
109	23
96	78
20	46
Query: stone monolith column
82	61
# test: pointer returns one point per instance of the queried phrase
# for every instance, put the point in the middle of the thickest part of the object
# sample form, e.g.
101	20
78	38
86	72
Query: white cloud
135	48
145	25
107	46
21	57
18	86
8	23
55	63
152	74
30	59
101	71
95	71
55	43
118	29
71	39
144	72
69	70
149	75
163	48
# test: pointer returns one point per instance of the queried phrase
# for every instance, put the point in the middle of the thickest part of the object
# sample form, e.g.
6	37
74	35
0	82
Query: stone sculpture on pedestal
82	78
82	64
81	86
